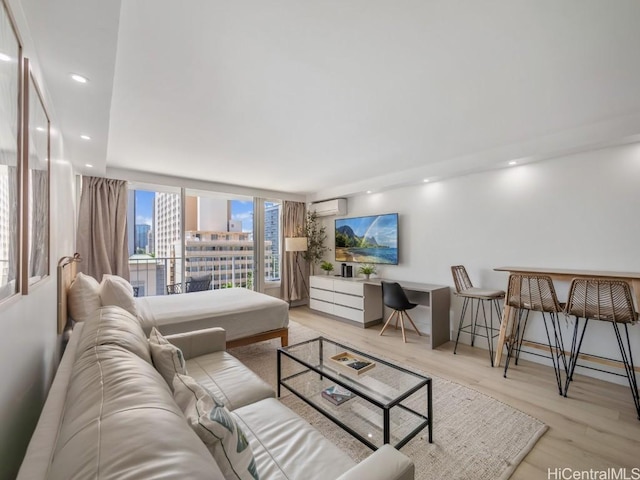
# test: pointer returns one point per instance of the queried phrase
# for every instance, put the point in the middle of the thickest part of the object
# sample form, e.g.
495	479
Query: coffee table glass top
386	403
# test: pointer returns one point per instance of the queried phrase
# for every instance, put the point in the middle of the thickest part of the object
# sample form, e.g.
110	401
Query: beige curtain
102	228
295	275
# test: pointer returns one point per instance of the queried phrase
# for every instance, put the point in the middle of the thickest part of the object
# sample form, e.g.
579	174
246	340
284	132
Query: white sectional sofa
111	415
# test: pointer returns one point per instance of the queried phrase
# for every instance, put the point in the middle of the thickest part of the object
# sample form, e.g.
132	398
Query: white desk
360	301
436	297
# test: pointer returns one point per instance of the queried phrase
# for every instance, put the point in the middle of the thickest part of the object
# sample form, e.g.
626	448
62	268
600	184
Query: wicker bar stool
607	301
527	293
476	298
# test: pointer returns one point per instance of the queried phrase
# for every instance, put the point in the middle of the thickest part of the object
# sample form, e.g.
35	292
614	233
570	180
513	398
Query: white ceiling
329	98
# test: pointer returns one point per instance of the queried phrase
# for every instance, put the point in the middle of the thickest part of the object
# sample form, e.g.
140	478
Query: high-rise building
167	215
5	230
226	256
142	238
272	226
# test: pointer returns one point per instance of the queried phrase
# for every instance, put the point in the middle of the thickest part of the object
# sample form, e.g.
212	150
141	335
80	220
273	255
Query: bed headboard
67	269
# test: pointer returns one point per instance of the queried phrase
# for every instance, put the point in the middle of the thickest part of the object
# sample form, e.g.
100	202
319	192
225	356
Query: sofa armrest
199	342
386	463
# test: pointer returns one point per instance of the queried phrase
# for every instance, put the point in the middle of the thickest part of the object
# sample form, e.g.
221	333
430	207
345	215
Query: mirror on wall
36	182
10	59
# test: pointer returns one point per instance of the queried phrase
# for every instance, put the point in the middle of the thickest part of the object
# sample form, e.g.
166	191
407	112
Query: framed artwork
10	154
35	183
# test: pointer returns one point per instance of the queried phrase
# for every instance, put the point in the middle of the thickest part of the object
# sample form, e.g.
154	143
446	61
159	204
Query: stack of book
336	394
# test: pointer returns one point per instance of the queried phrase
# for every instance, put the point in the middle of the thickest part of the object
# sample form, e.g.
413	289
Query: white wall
29	342
578	212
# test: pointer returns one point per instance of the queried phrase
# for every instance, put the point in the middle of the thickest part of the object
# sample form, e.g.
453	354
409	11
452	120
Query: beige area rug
475	436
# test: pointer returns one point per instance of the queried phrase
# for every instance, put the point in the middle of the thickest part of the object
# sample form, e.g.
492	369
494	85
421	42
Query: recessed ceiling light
4	57
88	165
40	129
513	162
426	180
85	137
79	78
369	191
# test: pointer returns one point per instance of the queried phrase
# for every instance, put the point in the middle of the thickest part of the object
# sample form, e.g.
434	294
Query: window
218	238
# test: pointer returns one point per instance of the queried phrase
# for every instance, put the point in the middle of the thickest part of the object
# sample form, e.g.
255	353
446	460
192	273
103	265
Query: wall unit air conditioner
337	206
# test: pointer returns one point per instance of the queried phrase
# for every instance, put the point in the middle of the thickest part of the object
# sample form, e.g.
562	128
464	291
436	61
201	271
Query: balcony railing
152	276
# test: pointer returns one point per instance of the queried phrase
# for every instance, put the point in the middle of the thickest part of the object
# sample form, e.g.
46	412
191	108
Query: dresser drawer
319	294
348	300
349	313
349	287
325	283
321	306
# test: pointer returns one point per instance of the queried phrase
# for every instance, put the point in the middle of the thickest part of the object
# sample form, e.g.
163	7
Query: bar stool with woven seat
607	301
476	298
393	296
527	293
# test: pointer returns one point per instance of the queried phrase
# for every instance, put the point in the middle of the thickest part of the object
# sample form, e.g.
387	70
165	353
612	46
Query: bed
247	316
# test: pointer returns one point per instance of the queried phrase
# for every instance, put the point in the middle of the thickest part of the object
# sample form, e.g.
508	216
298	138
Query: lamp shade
295	244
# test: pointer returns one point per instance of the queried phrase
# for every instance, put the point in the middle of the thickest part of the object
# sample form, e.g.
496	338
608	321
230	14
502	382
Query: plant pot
367	276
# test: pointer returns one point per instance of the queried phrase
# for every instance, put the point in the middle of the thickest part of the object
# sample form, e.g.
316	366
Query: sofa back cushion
114	326
121	422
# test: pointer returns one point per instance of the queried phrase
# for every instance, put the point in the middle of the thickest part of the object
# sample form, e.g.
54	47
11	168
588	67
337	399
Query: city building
142	238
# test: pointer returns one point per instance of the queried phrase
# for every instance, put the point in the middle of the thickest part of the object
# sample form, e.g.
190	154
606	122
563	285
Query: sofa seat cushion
120	422
228	379
286	447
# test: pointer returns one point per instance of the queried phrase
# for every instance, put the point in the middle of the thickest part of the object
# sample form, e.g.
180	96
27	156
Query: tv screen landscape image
372	239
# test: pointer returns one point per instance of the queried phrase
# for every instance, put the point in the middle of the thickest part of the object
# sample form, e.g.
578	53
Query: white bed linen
239	311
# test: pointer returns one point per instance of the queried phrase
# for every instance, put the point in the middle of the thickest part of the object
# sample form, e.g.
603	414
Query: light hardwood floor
596	427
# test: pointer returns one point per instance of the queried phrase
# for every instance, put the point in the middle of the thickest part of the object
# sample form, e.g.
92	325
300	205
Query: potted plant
316	236
367	270
326	266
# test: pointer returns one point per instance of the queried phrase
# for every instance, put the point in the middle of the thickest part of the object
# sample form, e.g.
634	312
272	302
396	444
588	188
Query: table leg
505	325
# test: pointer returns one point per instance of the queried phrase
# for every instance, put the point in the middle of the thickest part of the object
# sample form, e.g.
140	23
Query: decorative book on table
336	394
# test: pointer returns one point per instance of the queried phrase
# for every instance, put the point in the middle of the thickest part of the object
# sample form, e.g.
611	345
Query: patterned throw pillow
167	358
217	428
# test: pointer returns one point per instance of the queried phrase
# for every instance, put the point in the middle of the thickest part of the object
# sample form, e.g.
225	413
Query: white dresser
348	298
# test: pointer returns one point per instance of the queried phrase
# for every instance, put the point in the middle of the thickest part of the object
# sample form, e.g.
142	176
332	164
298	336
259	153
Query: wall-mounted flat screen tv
372	239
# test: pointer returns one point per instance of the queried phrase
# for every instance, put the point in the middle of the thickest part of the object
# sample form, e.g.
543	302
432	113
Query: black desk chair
393	296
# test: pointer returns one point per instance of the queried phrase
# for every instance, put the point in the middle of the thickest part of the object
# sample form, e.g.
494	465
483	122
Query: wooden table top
572	272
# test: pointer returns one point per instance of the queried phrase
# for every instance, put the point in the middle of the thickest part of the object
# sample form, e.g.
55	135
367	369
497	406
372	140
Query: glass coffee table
374	400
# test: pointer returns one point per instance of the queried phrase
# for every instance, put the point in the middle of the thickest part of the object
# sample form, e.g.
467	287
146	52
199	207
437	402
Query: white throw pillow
115	290
167	358
217	428
83	297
